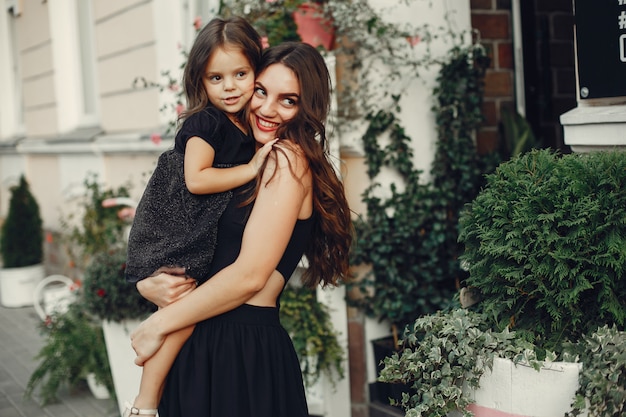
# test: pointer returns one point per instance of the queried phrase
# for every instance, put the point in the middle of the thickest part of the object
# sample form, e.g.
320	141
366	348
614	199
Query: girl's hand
146	340
259	157
166	287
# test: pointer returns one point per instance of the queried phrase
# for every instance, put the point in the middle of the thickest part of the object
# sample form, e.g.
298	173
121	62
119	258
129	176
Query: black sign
601	47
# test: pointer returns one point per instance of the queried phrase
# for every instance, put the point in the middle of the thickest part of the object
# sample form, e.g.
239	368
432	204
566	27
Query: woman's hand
146	340
166	287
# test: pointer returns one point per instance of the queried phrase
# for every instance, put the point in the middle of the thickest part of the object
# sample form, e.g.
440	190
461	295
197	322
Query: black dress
173	227
241	363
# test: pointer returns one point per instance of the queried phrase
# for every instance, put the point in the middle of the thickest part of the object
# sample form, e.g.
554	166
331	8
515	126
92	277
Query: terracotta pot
313	27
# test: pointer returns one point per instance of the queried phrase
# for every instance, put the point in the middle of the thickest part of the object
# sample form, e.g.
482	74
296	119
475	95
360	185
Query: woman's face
275	100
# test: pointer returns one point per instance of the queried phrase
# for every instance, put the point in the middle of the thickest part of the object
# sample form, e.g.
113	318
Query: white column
66	61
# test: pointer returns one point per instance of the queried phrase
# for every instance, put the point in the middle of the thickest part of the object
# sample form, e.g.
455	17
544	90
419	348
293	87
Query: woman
239	361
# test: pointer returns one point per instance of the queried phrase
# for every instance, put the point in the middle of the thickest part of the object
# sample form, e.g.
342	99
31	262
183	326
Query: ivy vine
410	237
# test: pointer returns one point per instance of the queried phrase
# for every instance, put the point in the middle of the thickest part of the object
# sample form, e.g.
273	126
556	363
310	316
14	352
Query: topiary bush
545	245
21	241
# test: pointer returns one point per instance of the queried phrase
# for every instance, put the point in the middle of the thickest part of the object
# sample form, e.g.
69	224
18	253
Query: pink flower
49	237
270	1
265	42
155	138
179	109
173	87
413	40
197	23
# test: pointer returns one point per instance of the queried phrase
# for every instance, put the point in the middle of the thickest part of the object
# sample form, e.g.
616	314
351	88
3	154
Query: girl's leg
155	370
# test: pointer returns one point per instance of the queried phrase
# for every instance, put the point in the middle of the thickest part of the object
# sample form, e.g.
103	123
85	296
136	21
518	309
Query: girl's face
276	100
229	80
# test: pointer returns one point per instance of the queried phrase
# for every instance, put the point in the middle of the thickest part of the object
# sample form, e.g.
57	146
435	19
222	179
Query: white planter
17	285
126	375
98	390
520	391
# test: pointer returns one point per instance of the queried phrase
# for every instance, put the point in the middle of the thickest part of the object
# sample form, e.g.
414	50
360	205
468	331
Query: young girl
175	224
240	361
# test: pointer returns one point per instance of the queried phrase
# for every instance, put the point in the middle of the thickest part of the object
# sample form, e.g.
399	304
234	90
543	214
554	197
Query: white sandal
134	411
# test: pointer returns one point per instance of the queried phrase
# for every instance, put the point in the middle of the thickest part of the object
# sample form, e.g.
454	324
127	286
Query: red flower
155	138
101	292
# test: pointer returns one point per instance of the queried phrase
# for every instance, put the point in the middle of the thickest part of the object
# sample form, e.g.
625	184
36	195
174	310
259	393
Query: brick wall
492	18
549	72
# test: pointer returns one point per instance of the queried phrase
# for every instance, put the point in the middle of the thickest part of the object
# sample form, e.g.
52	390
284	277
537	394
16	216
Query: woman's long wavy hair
328	249
234	32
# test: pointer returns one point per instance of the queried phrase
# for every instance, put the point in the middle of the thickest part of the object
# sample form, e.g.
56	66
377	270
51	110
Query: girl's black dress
241	363
173	227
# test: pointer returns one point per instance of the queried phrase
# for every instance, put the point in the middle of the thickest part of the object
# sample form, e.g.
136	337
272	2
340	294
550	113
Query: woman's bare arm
265	238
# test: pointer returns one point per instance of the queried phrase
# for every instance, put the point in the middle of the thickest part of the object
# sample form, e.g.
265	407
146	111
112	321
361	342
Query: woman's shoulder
291	152
289	162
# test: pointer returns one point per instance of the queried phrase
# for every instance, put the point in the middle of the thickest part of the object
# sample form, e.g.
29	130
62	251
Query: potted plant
545	253
98	244
286	20
21	245
544	245
73	351
444	354
107	295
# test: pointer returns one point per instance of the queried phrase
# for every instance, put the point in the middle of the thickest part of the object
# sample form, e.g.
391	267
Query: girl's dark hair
328	249
233	32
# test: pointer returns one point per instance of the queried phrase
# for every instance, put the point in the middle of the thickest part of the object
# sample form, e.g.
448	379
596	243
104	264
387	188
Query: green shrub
545	244
21	241
74	347
410	237
308	323
107	294
94	228
443	354
603	375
